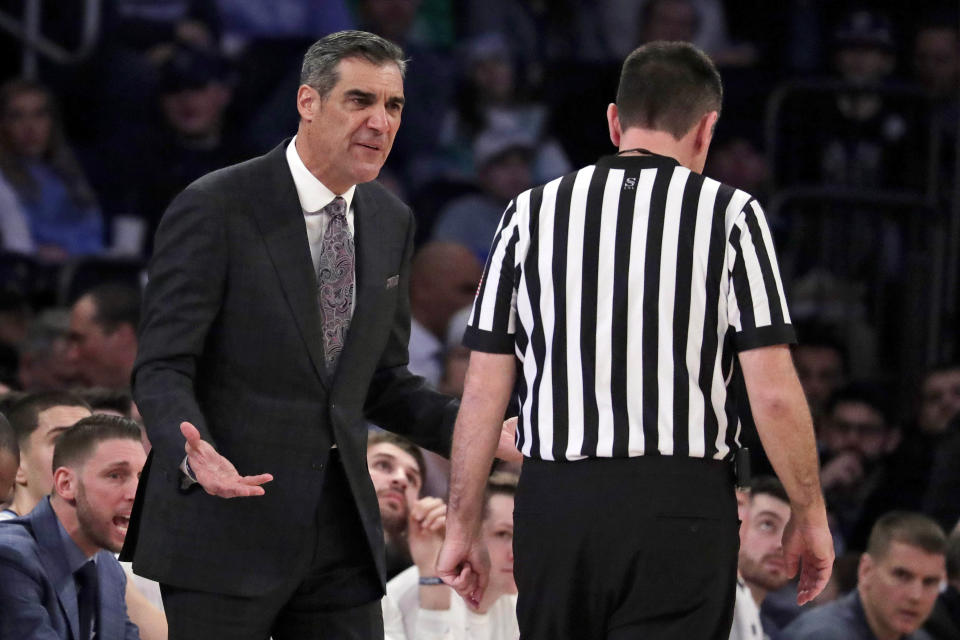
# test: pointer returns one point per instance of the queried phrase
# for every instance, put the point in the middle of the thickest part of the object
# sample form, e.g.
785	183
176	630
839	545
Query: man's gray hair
320	62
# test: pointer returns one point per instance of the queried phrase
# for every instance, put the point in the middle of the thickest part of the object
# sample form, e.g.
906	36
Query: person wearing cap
504	167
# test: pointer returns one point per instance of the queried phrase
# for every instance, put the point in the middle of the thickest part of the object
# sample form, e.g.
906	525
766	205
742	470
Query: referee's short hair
667	86
909	528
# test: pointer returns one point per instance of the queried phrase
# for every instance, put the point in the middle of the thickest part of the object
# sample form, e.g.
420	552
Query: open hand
809	547
216	474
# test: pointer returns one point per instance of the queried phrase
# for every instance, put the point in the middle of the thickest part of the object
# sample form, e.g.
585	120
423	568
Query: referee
624	294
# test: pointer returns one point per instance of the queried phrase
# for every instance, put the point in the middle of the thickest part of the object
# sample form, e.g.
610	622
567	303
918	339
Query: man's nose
378	119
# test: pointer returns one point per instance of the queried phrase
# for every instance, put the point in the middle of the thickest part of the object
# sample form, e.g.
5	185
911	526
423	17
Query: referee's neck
659	142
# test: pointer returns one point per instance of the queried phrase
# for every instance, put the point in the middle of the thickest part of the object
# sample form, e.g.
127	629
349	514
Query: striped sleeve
757	306
492	324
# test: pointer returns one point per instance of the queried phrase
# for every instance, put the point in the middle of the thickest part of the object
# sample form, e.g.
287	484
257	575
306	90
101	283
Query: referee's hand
465	566
808	545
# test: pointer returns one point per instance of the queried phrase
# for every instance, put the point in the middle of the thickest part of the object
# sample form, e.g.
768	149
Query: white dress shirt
314	196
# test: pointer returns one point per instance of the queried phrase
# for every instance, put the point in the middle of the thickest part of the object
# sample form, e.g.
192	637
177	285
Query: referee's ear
703	135
613	123
705	127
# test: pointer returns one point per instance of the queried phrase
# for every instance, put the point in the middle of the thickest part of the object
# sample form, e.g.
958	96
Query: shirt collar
75	557
313	194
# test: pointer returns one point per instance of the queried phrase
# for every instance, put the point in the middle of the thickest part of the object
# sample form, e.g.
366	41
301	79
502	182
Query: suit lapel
54	561
111	623
284	231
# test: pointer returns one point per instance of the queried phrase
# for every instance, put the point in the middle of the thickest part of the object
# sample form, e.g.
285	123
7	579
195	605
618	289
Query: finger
191	433
241	491
263	478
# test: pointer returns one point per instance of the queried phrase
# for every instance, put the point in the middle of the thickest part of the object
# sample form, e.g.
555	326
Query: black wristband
430	580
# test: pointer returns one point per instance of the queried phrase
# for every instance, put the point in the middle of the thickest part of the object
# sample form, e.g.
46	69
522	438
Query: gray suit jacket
38	593
231	341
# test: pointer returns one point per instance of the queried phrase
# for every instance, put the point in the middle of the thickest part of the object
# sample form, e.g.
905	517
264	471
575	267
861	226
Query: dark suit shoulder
18	545
383	199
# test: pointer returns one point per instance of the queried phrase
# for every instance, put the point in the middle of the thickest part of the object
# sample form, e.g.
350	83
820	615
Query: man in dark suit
58	577
257	348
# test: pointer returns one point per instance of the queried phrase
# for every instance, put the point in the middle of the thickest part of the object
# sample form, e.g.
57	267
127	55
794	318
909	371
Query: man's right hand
808	545
216	474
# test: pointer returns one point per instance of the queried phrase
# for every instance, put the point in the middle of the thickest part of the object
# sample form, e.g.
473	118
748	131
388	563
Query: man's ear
308	102
865	568
65	483
613	124
705	129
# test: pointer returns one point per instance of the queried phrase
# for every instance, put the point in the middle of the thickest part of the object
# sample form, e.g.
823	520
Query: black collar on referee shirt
644	159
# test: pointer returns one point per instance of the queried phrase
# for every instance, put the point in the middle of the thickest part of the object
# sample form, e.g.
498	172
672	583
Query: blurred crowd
841	118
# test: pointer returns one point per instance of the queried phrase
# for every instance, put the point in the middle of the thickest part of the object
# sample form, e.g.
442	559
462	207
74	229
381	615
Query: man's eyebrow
360	93
771	514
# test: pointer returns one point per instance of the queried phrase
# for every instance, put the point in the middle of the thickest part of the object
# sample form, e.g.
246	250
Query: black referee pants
613	549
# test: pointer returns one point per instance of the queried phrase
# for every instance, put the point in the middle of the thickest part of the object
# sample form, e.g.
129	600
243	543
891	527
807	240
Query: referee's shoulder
725	192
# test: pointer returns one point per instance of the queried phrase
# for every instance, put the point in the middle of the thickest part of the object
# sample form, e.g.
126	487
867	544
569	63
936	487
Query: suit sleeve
22	614
182	299
398	400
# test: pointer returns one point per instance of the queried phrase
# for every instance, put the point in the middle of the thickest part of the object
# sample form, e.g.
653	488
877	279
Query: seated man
898	581
397	471
58	577
944	622
9	462
760	566
418	606
39	419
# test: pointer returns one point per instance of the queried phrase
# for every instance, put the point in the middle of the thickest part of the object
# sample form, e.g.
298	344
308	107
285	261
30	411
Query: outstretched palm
216	474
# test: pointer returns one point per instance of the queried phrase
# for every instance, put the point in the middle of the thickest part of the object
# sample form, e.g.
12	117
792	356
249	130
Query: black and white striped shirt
625	289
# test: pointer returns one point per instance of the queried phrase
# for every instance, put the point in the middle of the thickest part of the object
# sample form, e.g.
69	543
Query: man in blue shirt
897	584
58	577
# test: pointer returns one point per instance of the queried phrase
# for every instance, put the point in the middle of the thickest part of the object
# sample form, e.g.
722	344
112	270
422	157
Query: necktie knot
337	208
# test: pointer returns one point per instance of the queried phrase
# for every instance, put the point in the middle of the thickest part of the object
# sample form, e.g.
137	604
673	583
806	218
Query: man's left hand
465	566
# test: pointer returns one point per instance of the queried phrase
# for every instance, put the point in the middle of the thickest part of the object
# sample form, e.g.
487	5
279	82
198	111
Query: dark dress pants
334	597
626	548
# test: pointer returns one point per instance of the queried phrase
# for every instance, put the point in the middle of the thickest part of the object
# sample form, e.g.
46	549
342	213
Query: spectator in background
939	398
858	137
114	402
492	97
397	471
428	85
821	365
58	578
43	363
899	578
761	567
456	356
944	622
35	159
9	462
936	67
856	439
417	607
14	229
103	335
443	279
39	419
504	168
189	139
